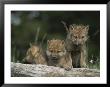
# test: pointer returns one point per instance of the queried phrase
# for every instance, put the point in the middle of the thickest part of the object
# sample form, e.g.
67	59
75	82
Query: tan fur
76	44
35	55
57	54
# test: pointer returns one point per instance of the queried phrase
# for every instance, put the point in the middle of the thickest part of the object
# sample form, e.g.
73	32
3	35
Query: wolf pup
77	36
35	55
57	55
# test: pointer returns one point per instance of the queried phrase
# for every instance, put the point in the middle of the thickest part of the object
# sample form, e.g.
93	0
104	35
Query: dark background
24	25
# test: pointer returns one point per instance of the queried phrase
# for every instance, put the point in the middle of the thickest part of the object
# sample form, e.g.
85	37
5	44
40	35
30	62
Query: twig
65	25
37	35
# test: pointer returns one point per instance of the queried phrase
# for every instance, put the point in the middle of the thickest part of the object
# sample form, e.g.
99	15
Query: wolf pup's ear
48	41
87	28
71	27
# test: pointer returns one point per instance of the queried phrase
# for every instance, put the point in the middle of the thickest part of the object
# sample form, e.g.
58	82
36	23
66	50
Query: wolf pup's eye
51	50
82	36
59	51
75	36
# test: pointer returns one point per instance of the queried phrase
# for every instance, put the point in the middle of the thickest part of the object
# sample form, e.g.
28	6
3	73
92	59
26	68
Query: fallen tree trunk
32	70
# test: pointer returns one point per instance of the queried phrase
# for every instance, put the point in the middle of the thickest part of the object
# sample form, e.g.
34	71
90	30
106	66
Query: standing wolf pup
77	36
57	55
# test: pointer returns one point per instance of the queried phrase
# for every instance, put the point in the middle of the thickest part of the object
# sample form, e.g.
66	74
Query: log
33	70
